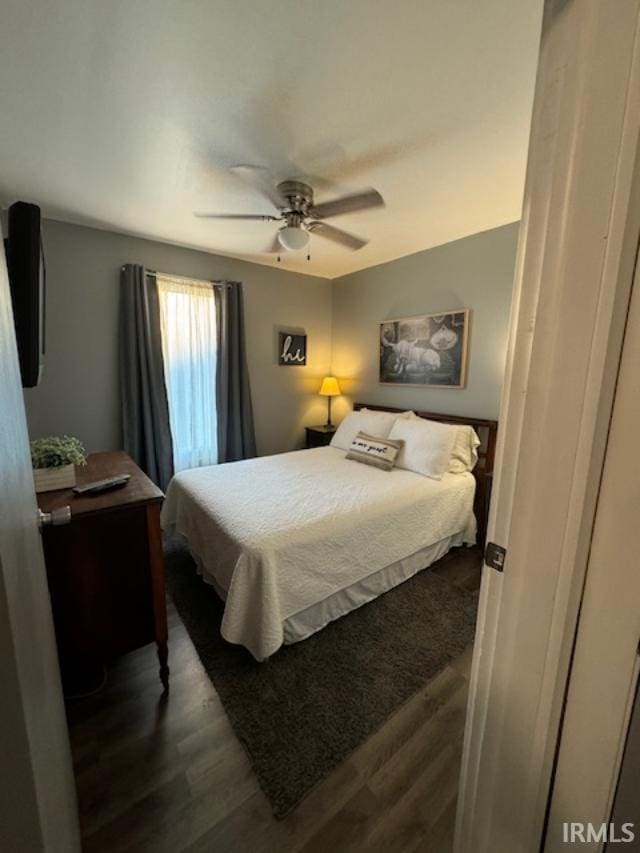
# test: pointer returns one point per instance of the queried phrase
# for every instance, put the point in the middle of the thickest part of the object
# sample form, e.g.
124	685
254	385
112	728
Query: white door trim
604	671
575	264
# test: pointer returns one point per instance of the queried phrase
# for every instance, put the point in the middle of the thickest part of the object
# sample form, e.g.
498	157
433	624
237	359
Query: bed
293	541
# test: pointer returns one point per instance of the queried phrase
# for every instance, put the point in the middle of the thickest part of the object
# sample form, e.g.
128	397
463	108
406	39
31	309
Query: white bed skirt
305	623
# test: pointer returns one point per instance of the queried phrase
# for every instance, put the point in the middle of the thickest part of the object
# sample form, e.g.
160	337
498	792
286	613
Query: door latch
495	555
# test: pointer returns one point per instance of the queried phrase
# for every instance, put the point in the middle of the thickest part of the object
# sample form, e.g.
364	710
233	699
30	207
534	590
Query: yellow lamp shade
329	387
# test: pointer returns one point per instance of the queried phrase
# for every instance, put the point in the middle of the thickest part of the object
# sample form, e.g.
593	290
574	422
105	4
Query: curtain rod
173	277
186	278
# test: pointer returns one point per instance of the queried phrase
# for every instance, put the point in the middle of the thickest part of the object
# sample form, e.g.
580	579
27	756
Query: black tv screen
27	281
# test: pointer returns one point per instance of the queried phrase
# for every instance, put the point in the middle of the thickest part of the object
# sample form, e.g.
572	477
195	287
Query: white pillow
408	414
373	423
427	446
464	454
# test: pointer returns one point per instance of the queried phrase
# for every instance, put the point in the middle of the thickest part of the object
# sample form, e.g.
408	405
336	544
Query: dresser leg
156	562
163	656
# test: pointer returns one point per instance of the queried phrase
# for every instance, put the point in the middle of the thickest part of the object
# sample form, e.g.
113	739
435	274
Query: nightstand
319	436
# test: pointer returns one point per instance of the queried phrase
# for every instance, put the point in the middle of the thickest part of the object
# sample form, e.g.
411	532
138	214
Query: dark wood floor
156	775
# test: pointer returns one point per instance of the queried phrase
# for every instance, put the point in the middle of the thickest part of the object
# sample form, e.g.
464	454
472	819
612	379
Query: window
188	328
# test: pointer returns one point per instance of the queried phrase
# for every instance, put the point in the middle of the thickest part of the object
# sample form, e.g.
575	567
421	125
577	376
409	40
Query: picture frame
292	349
428	350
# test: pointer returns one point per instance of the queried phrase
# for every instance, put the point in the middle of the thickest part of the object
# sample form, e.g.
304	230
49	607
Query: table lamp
329	389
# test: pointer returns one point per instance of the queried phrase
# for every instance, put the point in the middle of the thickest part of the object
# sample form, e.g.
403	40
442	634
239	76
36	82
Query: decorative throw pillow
464	454
373	423
372	450
427	446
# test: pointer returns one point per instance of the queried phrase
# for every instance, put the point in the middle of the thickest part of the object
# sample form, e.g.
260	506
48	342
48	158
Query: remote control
103	485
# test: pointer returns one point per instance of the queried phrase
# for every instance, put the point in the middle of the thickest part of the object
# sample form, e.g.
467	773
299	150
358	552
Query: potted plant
54	460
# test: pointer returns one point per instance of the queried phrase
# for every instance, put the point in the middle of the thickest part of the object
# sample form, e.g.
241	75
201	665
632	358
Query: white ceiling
127	114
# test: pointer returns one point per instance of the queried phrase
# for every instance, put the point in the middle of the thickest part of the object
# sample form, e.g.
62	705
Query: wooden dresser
106	570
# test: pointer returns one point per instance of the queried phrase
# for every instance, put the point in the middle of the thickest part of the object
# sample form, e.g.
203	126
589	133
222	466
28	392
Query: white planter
50	479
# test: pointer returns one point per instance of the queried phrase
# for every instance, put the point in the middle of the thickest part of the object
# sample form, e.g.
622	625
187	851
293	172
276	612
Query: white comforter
281	533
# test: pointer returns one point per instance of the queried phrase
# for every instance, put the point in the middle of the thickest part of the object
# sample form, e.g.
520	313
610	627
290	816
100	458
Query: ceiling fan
294	202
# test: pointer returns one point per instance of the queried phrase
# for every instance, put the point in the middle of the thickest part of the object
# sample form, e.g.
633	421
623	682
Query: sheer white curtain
188	327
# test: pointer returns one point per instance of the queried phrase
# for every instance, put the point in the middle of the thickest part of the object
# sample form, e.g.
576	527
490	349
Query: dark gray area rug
301	713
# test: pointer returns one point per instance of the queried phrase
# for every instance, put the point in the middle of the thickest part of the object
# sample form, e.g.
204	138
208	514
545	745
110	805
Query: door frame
605	662
574	269
38	809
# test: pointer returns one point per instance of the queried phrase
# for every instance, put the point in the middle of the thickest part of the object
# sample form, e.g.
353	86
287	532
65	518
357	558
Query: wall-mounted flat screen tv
27	281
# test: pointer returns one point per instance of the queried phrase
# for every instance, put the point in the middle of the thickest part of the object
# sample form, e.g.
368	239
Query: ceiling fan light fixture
293	238
294	206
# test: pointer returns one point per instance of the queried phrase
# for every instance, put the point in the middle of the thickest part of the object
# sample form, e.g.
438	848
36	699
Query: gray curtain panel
236	434
145	409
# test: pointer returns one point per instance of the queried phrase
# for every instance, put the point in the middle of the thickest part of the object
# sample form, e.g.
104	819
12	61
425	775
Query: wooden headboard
487	433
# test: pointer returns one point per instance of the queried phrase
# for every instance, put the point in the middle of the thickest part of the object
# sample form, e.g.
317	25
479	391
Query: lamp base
328	423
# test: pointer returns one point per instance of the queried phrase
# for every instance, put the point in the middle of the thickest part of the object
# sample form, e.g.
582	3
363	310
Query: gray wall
475	272
79	393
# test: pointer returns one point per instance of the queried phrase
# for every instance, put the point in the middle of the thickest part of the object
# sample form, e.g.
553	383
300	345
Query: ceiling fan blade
256	217
260	179
347	204
336	235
